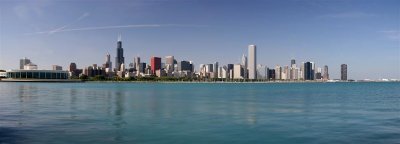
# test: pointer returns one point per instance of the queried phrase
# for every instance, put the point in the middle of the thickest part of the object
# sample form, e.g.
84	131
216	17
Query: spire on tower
119	37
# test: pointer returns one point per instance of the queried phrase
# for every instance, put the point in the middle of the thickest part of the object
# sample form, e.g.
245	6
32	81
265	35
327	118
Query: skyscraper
252	62
215	70
343	72
292	62
308	71
108	63
244	66
169	62
155	64
23	62
278	72
326	73
119	59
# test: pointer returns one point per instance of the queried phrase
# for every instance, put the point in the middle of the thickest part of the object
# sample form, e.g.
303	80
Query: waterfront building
238	71
185	66
326	73
244	66
343	72
278	72
230	71
308	71
215	70
271	74
23	62
155	63
252	62
222	72
57	67
119	59
36	75
301	71
318	74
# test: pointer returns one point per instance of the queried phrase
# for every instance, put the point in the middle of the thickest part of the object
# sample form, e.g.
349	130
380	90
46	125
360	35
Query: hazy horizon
365	35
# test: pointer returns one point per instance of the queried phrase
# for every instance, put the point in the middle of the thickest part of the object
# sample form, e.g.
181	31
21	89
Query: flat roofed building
37	74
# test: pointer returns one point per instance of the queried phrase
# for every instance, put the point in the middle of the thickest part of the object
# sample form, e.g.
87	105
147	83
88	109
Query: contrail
115	27
65	26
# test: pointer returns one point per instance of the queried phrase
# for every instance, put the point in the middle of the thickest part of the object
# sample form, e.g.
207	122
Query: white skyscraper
252	62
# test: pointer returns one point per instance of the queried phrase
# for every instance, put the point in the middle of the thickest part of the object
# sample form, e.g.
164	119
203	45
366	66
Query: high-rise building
230	71
184	66
278	72
238	71
169	60
292	62
244	66
23	62
326	73
318	74
271	74
343	72
72	67
119	59
252	63
57	67
137	63
215	70
108	63
308	71
155	64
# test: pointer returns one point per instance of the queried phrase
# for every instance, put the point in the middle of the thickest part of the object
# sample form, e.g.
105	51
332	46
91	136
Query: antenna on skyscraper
119	37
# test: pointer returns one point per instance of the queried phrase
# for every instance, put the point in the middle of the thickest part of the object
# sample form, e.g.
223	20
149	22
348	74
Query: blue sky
365	34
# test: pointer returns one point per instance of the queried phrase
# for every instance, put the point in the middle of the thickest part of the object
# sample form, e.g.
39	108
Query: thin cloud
392	34
348	15
113	27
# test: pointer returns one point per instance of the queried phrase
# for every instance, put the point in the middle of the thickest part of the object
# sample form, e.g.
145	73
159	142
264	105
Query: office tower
278	72
238	71
119	59
23	62
308	71
222	72
326	73
244	66
271	75
72	67
343	72
137	63
312	70
169	60
292	62
318	74
108	63
155	64
215	70
286	73
230	71
252	62
57	67
184	66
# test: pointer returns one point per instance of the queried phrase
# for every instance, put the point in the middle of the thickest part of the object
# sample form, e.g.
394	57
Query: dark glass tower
119	59
343	72
308	71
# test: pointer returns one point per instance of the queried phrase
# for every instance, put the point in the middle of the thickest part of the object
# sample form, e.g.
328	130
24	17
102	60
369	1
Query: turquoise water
199	113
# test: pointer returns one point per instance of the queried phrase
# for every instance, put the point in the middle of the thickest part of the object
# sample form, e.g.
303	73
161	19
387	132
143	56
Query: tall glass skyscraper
252	62
343	72
119	59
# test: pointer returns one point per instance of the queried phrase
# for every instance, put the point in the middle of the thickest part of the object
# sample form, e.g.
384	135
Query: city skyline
370	51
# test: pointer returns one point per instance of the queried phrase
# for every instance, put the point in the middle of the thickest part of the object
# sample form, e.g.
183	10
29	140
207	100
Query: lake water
199	113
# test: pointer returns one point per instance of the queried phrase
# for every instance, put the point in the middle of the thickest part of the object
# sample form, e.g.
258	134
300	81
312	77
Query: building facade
252	62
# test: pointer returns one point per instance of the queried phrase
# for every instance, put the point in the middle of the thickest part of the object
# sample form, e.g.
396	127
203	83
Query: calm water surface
199	113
